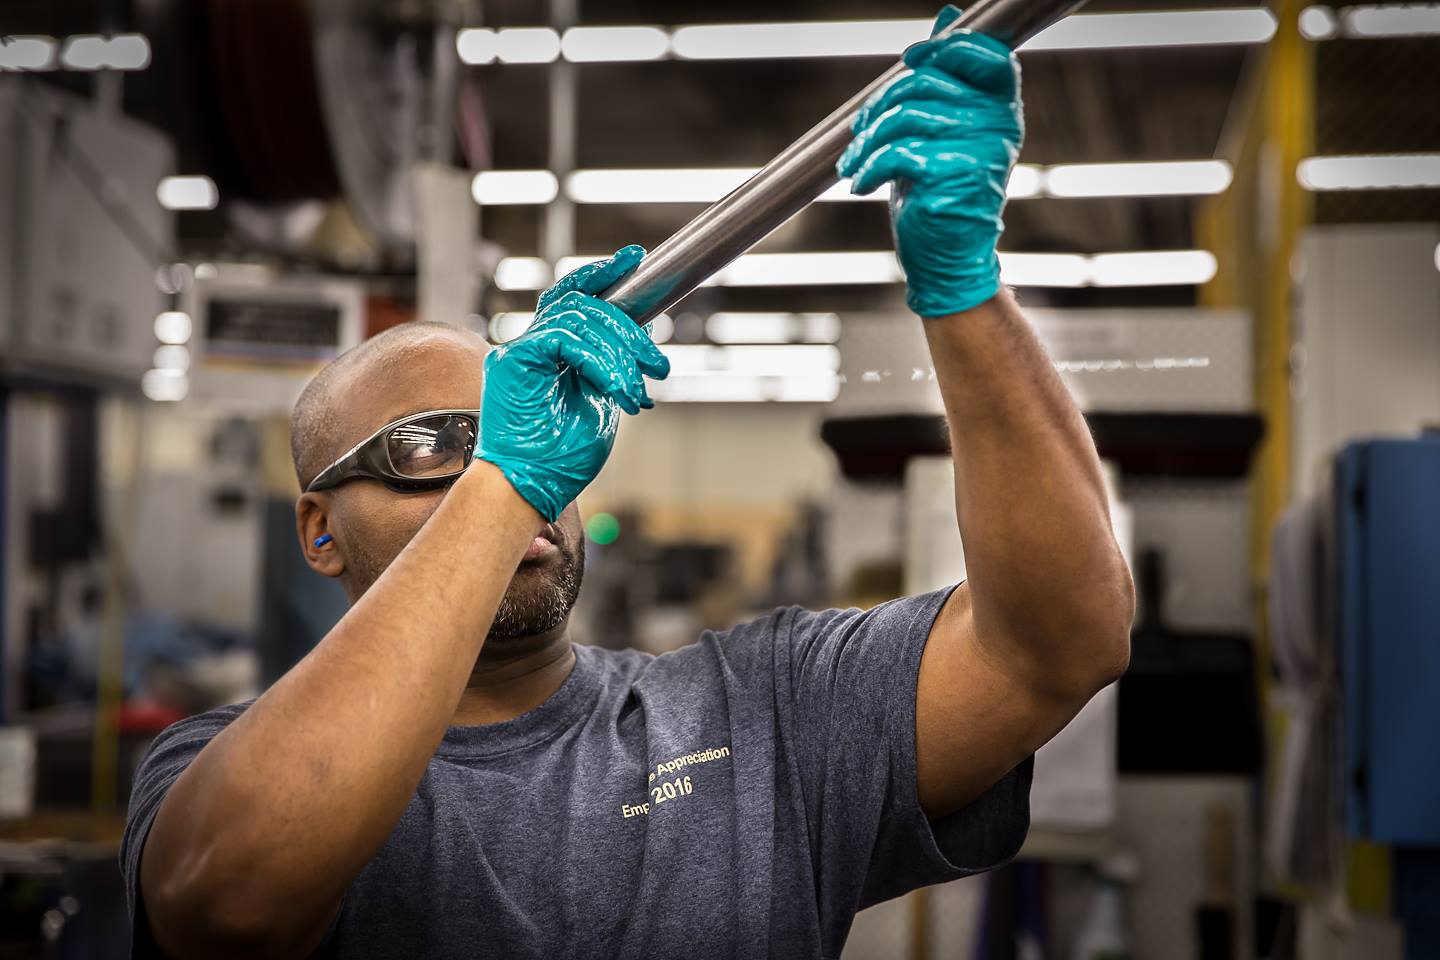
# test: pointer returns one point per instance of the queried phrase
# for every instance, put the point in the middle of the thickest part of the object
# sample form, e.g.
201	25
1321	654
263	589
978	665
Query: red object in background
146	717
382	313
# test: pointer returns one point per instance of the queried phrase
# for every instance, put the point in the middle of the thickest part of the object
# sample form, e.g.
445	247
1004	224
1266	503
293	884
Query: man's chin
539	600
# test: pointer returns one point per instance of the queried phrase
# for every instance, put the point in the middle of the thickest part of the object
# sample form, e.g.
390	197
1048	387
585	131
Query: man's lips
543	546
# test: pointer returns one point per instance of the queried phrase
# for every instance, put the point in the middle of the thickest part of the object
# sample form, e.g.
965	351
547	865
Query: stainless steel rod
790	182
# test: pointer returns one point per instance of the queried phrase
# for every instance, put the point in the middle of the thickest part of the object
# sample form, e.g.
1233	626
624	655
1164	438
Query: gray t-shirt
741	797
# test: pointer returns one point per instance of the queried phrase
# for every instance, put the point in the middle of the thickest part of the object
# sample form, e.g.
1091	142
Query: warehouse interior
1223	227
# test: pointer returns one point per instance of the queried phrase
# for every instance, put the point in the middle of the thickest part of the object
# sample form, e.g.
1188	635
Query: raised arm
1042	622
256	842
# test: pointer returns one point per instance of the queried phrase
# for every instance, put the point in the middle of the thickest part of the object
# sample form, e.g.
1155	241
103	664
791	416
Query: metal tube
790	182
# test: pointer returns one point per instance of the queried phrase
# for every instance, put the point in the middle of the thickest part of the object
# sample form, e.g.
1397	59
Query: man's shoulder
200	727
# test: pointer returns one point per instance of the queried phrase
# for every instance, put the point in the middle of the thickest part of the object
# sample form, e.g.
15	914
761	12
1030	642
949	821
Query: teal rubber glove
946	134
553	395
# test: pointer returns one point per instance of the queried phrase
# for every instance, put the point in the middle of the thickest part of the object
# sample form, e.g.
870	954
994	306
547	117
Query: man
446	776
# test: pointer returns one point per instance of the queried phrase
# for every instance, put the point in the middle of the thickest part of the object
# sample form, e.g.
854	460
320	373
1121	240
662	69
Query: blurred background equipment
79	258
1224	225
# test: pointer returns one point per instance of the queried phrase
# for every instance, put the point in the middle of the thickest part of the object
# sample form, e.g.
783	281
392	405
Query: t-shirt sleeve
852	679
173	750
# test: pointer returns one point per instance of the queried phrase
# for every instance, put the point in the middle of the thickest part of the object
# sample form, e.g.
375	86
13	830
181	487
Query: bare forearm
281	811
1047	581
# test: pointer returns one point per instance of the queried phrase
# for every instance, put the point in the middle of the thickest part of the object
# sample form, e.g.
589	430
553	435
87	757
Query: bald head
391	375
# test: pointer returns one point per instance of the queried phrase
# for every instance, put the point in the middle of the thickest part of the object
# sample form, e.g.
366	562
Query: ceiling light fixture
1144	179
27	53
614	44
503	187
1407	20
121	51
187	193
1397	171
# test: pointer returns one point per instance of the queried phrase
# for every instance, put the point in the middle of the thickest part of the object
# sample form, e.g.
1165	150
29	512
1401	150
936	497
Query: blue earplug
323	539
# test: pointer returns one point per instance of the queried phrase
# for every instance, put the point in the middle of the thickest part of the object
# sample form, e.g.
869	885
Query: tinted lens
431	446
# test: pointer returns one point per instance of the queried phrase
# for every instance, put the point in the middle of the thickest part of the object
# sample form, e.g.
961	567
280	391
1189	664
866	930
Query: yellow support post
1254	230
1288	108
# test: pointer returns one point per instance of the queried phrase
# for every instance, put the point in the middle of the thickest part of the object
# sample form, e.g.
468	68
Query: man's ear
312	523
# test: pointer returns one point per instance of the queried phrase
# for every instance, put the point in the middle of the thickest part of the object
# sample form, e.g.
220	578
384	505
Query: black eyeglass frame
370	458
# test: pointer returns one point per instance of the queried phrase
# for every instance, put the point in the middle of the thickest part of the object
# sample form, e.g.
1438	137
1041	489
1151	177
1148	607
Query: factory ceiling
212	59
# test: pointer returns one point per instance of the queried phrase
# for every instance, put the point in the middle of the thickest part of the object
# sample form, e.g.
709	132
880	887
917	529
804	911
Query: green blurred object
603	528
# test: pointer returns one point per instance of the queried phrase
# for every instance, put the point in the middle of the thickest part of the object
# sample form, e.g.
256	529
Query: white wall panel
1368	324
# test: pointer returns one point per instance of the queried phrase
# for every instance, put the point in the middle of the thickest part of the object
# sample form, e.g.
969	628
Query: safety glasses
424	451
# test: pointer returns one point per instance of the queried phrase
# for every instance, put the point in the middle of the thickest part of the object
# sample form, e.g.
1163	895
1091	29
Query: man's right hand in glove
553	395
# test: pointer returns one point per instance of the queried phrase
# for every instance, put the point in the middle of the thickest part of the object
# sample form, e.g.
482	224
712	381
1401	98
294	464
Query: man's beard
540	598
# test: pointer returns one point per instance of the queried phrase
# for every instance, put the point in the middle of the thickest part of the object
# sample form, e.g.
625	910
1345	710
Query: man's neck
505	686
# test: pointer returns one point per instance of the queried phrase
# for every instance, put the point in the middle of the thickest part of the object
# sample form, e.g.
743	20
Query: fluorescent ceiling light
1318	23
798	360
476	45
1179	178
887	38
527	45
1170	28
479	45
165	385
821	388
567	264
1044	269
1152	268
1026	180
685	185
172	326
1141	268
708	184
600	44
709	390
187	193
749	41
1375	172
746	41
27	53
819	327
662	328
734	327
523	273
801	269
790	269
509	325
496	187
840	192
171	357
1409	20
122	51
678	185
